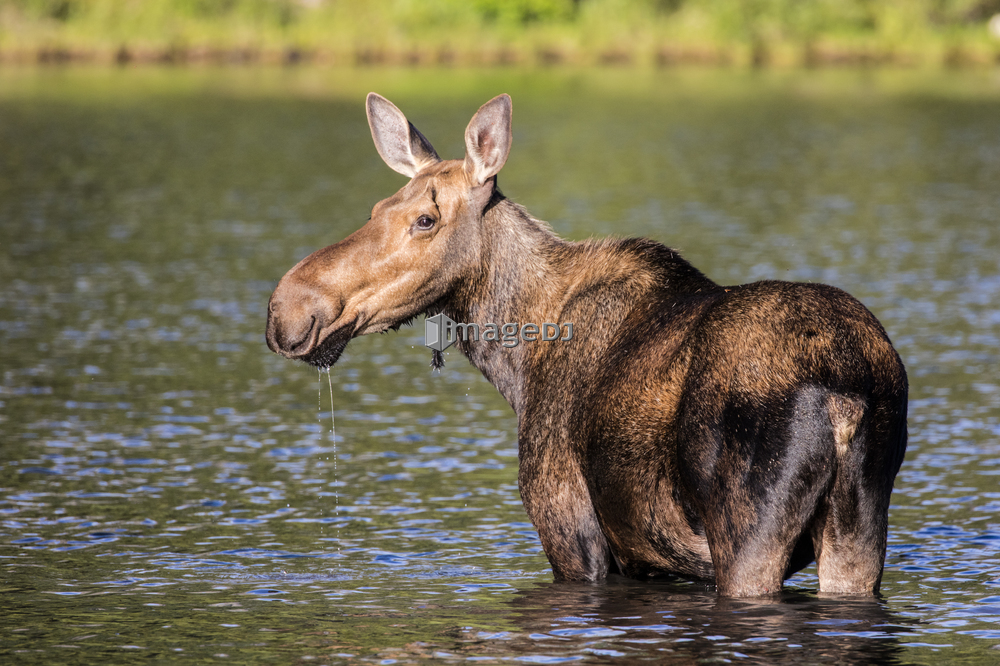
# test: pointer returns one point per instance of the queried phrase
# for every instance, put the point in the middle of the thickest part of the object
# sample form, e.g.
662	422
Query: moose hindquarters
805	474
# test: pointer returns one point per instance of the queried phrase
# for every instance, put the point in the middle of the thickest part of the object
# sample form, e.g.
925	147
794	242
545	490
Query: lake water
171	490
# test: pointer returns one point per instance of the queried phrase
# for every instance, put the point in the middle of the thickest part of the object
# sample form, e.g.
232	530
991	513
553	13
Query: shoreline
779	56
604	33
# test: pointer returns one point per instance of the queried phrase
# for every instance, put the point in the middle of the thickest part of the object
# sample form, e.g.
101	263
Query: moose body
733	434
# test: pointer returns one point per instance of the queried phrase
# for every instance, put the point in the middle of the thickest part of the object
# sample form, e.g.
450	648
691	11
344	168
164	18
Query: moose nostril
290	339
293	340
297	314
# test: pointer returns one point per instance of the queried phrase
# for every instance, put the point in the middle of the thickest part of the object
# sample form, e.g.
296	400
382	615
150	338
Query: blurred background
505	32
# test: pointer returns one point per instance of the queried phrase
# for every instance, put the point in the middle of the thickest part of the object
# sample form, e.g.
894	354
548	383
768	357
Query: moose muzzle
301	325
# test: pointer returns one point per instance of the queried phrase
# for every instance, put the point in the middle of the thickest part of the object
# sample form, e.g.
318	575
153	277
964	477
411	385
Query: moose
728	434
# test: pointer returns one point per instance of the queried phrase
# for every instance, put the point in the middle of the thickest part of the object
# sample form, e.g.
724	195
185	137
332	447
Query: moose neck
519	282
530	275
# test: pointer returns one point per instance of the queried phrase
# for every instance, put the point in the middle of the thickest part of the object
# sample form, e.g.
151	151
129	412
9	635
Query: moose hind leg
775	467
850	531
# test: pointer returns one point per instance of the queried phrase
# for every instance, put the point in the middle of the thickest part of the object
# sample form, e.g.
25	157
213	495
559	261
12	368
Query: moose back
733	434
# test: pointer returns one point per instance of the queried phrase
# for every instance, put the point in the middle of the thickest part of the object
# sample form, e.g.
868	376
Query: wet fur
732	434
690	428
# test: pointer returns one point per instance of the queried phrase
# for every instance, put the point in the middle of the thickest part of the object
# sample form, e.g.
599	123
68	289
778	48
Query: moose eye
424	223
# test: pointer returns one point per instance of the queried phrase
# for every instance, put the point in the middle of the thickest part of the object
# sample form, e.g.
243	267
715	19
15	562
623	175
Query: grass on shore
461	32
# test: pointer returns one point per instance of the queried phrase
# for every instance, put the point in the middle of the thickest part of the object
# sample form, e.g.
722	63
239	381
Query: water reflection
680	621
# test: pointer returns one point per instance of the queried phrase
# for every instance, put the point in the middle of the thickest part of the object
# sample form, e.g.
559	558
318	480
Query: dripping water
333	438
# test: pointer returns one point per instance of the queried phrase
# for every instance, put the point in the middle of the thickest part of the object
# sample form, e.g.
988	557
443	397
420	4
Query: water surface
169	489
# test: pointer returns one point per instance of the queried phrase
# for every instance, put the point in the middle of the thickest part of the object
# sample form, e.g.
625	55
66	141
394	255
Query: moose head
418	245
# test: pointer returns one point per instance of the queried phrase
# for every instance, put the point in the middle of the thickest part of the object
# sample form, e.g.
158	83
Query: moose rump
759	431
732	434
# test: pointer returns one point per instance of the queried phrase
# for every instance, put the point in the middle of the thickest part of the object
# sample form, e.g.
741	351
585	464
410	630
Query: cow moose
730	434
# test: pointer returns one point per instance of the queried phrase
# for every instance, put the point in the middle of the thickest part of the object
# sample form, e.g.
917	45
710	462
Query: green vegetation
740	32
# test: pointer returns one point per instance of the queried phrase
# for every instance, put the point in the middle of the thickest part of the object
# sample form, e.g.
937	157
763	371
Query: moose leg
753	555
558	503
850	531
849	542
774	467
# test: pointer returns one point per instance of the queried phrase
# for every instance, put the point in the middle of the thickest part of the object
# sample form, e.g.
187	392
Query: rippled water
169	489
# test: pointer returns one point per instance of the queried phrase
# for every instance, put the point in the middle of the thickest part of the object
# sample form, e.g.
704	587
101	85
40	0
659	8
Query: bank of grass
477	32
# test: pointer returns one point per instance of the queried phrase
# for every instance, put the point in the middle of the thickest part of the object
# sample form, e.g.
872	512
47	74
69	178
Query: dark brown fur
732	434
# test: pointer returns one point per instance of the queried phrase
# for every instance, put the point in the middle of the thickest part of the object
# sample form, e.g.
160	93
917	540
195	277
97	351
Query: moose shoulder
733	434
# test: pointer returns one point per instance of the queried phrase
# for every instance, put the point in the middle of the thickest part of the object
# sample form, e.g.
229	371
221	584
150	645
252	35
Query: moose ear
487	139
399	143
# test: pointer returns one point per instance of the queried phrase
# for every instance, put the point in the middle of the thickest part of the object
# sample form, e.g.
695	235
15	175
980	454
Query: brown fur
731	434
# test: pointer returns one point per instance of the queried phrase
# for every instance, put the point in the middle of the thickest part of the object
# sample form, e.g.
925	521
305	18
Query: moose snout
290	338
295	319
